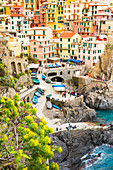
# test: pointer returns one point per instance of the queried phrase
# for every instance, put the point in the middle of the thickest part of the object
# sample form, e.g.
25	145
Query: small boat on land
33	73
42	87
47	81
35	99
58	85
37	94
43	77
40	91
59	88
49	105
36	81
48	96
56	107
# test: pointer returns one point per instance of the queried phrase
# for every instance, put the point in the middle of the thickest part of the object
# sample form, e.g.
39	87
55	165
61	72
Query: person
70	126
56	128
24	100
74	127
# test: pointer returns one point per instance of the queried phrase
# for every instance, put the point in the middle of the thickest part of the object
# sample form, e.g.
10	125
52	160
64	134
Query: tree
24	144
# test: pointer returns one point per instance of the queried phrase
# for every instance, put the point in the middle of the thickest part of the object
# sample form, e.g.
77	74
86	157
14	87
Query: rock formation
77	111
76	143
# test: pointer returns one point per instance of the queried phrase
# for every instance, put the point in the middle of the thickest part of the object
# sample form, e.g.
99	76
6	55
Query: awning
33	66
53	58
75	61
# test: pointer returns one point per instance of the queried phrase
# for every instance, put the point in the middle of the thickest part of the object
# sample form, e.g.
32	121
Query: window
60	45
103	22
68	45
79	56
88	57
79	50
72	52
68	39
12	27
38	37
100	51
34	49
44	50
18	17
12	22
49	49
34	55
44	56
83	51
45	42
49	55
60	51
11	17
35	17
34	32
109	27
34	37
60	39
68	51
34	43
83	57
88	51
94	45
98	57
43	32
52	54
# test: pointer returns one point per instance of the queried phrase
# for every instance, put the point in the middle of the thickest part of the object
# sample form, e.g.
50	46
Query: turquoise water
101	158
106	115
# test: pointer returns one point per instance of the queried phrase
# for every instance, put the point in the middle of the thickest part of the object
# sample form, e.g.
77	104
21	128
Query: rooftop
17	15
67	34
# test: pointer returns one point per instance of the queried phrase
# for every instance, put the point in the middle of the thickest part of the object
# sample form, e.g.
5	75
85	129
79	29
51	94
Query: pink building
84	27
17	9
101	17
42	50
91	49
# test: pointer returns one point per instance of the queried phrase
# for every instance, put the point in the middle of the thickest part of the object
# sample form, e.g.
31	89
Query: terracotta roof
66	34
17	15
17	6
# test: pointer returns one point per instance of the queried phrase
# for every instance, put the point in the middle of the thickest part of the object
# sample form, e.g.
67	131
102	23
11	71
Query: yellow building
14	45
26	50
7	9
32	4
55	14
68	45
56	48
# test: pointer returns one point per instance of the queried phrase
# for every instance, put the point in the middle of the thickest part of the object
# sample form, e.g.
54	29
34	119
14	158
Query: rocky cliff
77	111
100	100
76	143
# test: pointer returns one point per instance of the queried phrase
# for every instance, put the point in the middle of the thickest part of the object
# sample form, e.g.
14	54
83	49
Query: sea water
105	115
100	158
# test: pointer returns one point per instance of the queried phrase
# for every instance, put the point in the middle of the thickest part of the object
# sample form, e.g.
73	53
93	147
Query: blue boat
33	73
36	81
58	85
43	77
35	99
56	107
37	94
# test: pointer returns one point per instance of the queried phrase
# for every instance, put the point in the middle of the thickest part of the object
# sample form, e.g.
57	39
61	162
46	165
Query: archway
19	67
13	68
57	79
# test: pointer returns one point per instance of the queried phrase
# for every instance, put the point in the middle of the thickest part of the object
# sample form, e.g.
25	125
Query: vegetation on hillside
24	144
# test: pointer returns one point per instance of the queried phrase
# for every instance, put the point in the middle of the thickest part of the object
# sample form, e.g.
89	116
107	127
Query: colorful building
55	14
33	4
42	50
68	45
101	18
91	49
84	28
39	18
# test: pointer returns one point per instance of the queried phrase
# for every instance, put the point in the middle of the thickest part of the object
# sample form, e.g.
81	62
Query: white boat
59	88
49	105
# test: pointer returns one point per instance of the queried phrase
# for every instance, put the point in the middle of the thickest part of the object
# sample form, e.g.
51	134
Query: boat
43	77
48	96
56	107
58	85
35	99
40	91
33	73
59	88
36	81
47	81
37	94
49	105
